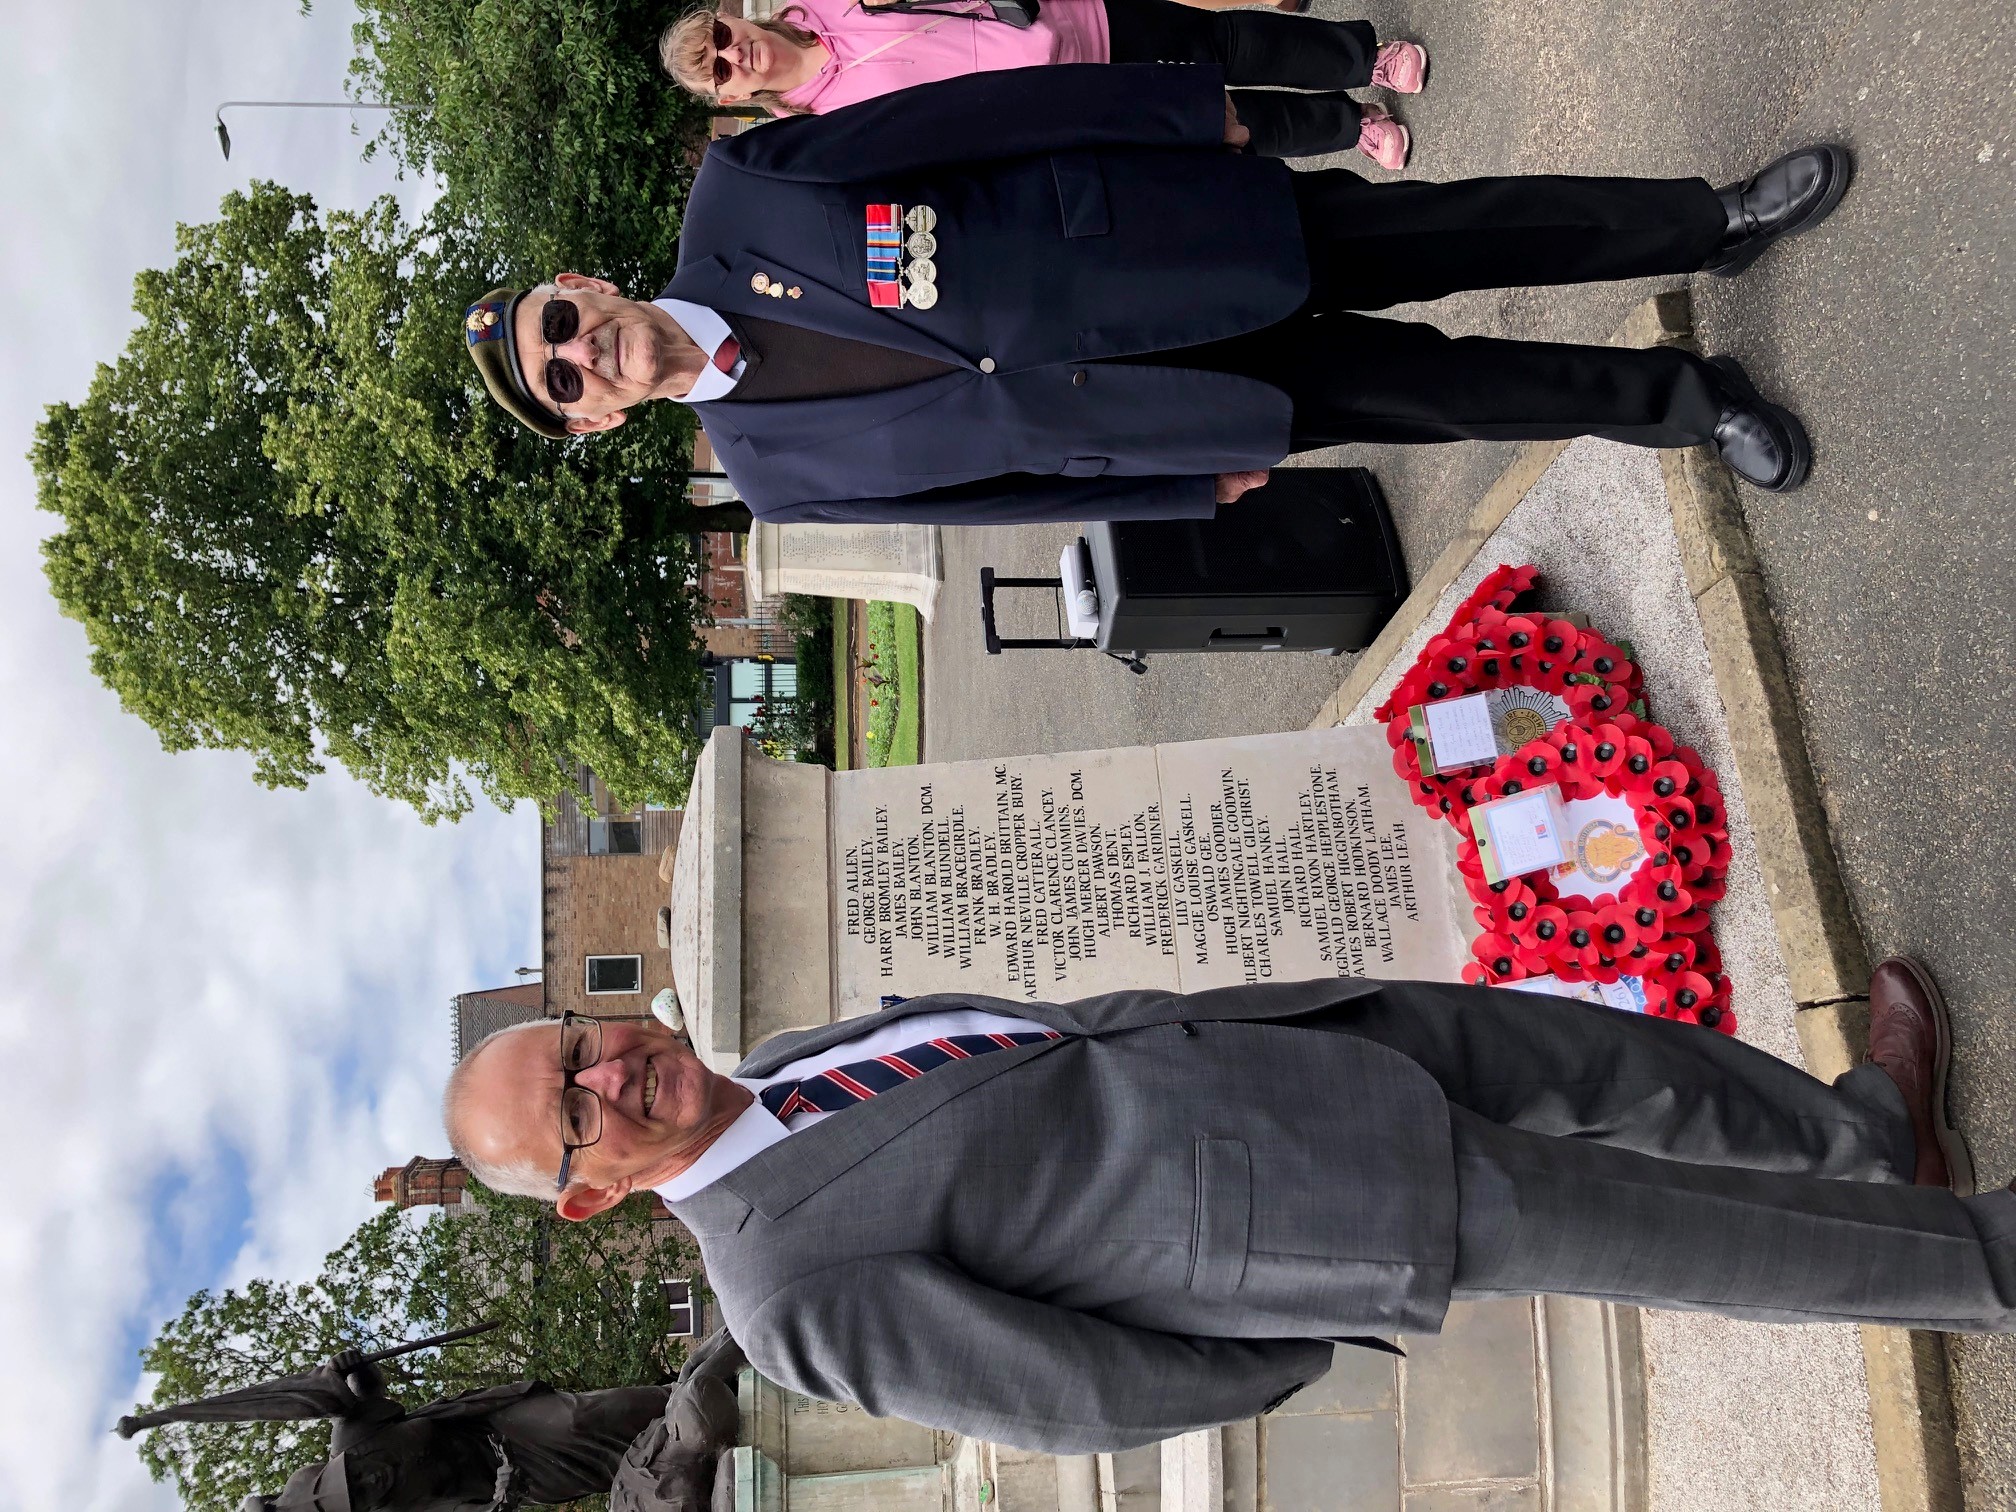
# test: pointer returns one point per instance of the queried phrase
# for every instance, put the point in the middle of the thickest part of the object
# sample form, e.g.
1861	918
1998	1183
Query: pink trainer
1401	67
1383	139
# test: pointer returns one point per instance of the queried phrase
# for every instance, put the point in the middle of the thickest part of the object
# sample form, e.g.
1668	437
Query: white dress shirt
758	1128
708	331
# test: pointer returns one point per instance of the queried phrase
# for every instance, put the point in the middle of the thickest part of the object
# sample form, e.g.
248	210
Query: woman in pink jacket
818	55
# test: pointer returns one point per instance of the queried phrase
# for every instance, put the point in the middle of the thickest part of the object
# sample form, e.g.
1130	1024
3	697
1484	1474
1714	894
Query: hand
1231	485
348	1362
1235	134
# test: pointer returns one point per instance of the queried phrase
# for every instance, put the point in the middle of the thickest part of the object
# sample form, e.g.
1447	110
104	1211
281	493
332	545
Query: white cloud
206	990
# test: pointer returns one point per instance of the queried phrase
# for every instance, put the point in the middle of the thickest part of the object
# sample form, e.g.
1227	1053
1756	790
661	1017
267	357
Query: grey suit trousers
1615	1156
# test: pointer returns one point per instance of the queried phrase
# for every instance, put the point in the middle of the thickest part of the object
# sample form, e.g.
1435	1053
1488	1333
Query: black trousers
1355	378
1260	47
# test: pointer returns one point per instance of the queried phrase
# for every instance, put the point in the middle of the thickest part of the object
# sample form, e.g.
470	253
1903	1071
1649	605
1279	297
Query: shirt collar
708	331
753	1132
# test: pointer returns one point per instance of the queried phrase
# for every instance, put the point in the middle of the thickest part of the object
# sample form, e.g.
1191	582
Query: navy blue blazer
1084	211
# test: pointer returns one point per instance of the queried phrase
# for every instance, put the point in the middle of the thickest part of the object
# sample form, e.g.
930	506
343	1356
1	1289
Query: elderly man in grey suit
1088	1226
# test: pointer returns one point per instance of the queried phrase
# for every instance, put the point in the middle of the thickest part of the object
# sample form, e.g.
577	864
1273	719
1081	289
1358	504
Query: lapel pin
760	283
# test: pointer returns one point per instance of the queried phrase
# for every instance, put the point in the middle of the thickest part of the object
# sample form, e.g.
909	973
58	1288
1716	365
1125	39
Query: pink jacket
931	48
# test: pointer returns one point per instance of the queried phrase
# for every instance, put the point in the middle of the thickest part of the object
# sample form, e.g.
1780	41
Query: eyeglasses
723	40
580	1108
560	323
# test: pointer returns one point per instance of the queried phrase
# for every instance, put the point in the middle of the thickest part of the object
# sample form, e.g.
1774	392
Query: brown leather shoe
1911	1040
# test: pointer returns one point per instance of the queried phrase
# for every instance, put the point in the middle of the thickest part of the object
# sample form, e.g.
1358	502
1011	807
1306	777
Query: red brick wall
602	905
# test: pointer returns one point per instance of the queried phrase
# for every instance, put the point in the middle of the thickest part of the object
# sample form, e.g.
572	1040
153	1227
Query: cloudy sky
222	1010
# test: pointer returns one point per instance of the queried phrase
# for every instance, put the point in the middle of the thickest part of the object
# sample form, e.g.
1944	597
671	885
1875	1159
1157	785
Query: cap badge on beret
485	322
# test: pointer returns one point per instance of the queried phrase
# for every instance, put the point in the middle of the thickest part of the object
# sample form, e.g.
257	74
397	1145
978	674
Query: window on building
615	837
742	687
613	973
685	1313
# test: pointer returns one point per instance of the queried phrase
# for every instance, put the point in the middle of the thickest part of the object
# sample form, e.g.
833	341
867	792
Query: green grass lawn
843	687
894	660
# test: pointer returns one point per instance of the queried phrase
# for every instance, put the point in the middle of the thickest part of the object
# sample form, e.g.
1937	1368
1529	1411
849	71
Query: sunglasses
723	40
559	322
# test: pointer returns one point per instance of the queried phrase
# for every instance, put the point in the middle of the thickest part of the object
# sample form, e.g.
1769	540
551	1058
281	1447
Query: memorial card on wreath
1185	866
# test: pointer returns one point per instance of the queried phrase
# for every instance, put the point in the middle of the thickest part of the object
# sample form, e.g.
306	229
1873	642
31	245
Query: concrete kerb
1827	964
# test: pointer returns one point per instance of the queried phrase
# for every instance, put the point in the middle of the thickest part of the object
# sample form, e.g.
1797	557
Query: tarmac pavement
1891	330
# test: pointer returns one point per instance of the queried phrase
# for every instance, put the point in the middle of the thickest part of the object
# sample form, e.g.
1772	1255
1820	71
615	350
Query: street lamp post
224	132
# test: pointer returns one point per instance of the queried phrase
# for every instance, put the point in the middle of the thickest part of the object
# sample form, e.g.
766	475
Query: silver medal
921	270
921	244
921	218
920	295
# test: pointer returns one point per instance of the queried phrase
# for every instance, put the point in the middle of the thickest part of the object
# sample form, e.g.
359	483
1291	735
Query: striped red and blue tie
843	1086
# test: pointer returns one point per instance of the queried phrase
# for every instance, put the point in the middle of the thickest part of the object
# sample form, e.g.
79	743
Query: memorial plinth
900	564
801	895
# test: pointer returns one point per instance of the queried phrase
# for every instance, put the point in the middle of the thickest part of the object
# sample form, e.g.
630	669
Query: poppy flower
1536	763
1489	894
1606	749
1660	887
1638	761
1543	930
1693	921
1668	779
1597	655
1684	991
1719	1017
1468	863
1678	954
1475	974
1520	632
1593	701
1496	952
1699	857
1661	739
1399	732
1579	941
1623	925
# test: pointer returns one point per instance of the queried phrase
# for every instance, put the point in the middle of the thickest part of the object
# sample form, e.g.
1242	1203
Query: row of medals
920	273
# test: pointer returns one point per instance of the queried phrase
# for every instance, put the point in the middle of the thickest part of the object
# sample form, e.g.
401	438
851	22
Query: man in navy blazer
1108	312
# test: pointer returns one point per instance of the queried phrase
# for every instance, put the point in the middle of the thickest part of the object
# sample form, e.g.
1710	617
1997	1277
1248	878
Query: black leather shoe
1792	195
1763	443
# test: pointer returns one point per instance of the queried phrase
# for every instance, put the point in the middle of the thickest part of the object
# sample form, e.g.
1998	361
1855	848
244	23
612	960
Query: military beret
493	347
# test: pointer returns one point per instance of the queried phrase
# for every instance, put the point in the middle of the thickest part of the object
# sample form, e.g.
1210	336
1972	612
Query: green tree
550	122
579	1303
293	525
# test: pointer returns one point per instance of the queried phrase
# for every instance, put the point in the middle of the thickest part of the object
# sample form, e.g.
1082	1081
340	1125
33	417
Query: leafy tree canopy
550	121
579	1302
293	525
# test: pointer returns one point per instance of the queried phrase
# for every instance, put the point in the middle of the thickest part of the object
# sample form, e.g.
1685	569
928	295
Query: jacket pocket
850	235
1224	1215
1081	194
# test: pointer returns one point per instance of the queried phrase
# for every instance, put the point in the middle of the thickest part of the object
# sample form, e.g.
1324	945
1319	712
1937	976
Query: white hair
517	1178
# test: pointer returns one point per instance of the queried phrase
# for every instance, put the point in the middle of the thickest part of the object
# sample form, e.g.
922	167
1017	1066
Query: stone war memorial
801	895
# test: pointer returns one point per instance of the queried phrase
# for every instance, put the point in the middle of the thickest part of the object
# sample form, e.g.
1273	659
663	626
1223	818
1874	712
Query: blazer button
986	364
1078	380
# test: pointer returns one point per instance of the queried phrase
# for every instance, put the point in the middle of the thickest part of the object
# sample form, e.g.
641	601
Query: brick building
601	890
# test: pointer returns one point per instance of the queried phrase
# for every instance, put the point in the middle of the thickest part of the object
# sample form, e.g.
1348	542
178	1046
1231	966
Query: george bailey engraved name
1184	866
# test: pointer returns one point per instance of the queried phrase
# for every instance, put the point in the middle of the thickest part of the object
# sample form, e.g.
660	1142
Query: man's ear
583	281
580	425
581	1201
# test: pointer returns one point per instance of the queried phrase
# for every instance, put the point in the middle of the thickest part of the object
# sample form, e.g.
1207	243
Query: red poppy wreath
1634	909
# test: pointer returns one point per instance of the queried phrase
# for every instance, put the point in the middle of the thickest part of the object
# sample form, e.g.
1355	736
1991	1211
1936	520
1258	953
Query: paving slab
1470	1396
1331	1462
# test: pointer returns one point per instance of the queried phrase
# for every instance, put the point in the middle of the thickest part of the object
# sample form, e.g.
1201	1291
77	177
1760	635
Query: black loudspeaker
1309	562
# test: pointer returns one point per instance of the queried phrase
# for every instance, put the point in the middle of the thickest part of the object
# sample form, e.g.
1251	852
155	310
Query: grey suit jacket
1152	1225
